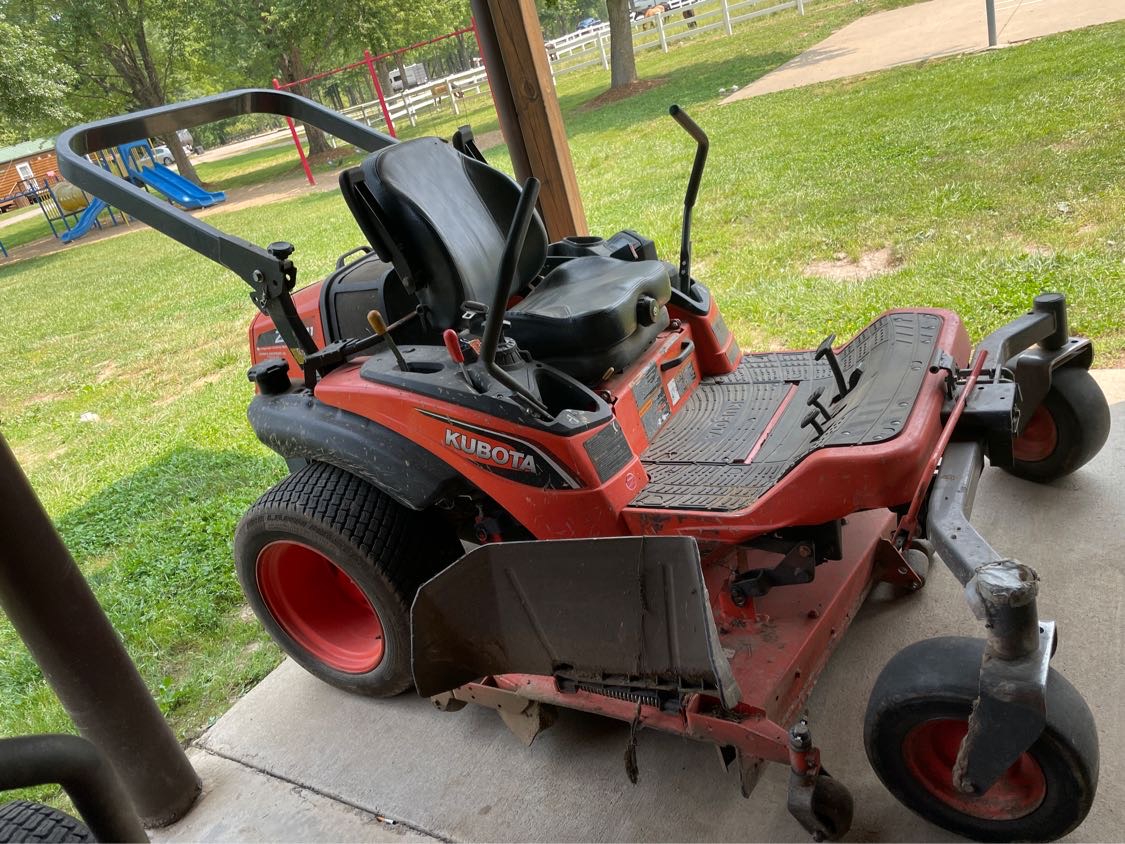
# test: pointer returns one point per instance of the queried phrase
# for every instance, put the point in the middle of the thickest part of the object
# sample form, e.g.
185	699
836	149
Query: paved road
928	31
297	760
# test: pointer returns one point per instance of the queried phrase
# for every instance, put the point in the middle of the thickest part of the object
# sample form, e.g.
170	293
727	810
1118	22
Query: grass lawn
25	231
988	178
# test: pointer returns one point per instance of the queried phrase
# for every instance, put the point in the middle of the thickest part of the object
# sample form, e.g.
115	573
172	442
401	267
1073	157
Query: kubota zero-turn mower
663	529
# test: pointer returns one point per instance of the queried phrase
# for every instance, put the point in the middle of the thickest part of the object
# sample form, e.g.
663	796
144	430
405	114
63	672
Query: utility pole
990	13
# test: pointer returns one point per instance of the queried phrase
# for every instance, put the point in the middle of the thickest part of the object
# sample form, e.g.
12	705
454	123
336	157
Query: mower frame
1010	371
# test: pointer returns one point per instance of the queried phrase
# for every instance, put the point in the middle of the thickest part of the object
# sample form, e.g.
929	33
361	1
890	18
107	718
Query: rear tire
22	820
1065	431
915	720
330	566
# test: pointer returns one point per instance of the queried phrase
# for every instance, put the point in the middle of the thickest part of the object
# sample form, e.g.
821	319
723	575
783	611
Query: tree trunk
133	61
462	53
183	163
401	71
622	63
293	69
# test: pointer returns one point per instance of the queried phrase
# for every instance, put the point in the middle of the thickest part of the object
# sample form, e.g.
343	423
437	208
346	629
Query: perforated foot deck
698	460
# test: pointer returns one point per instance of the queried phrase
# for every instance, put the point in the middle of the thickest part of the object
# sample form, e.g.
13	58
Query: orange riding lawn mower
530	475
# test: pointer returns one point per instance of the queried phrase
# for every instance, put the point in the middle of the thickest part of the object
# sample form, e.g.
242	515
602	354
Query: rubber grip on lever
375	320
453	345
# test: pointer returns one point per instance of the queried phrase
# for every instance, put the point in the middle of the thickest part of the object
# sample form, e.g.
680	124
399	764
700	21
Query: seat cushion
442	219
585	317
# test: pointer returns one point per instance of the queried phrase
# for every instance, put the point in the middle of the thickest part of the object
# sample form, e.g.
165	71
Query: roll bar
270	273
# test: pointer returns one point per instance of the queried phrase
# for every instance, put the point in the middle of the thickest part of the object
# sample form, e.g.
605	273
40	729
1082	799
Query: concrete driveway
297	760
928	31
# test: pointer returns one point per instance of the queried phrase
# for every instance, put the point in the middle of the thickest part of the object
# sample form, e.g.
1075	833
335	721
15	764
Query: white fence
590	47
453	89
579	50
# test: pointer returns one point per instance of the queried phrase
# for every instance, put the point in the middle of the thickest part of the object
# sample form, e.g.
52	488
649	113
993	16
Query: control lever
509	264
702	144
453	346
375	320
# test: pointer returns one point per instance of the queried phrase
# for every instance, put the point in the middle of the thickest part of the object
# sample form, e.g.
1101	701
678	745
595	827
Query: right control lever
494	323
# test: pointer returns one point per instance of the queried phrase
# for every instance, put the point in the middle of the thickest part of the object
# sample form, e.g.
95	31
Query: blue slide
176	187
85	222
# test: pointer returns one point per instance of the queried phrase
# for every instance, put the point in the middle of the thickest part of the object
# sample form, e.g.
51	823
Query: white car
163	155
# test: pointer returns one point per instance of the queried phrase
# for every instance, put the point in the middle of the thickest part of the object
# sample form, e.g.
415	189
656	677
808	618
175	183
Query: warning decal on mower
504	455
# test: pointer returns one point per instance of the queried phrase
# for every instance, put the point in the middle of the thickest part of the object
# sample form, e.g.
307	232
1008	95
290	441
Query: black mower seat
593	314
442	219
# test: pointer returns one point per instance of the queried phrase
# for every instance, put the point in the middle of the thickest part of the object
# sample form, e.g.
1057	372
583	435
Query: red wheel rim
930	750
1039	438
320	607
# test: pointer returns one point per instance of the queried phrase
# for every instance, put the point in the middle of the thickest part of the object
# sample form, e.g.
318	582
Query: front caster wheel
1065	431
916	718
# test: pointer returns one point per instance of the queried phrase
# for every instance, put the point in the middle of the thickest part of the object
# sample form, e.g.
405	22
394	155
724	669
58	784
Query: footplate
738	434
627	614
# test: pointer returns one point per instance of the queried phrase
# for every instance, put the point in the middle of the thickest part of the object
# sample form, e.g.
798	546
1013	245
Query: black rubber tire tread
386	548
938	678
22	820
1081	414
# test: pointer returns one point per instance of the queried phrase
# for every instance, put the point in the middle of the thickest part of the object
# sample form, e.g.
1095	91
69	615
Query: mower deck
777	647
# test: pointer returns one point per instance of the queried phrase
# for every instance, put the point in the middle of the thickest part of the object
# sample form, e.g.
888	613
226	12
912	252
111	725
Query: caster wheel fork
821	804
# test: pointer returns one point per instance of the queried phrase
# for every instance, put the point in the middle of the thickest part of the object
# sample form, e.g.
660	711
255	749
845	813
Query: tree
622	62
559	17
125	54
295	39
33	96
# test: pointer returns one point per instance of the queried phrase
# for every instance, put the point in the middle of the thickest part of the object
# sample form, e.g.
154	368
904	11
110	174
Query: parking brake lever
457	354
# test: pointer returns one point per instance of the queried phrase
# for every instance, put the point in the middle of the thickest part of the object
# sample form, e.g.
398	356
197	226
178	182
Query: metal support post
297	142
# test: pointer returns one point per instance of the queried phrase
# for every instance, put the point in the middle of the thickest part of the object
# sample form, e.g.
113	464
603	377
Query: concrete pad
928	31
463	776
241	804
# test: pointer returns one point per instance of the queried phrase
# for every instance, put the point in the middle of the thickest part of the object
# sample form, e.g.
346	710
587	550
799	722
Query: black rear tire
933	683
1065	431
22	820
311	544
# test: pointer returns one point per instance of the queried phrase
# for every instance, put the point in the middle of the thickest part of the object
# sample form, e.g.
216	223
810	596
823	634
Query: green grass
261	164
25	231
990	177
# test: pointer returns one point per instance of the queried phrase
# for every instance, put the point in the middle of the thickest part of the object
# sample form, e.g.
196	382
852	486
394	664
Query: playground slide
85	222
177	188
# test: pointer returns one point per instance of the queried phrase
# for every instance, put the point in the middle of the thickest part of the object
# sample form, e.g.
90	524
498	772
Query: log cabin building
21	167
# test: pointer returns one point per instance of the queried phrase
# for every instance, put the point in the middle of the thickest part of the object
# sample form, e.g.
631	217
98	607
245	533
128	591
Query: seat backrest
441	218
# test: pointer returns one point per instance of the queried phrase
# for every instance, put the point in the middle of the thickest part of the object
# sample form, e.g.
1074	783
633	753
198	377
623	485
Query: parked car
588	23
163	155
